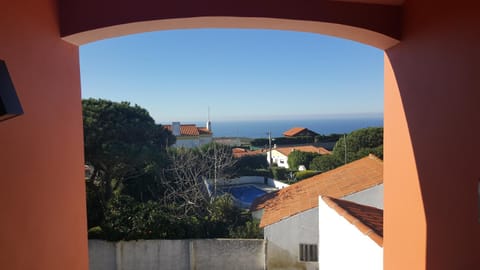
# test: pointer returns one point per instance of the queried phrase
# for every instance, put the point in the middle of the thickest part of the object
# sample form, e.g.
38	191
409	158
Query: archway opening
274	75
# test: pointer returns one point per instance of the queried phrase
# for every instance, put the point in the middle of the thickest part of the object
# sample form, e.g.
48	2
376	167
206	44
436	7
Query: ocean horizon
260	128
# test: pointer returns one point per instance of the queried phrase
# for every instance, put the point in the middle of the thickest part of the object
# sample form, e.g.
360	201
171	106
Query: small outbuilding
299	132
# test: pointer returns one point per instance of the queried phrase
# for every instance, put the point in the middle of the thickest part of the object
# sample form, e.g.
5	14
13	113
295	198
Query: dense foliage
358	143
305	174
297	158
125	149
263	142
250	165
140	188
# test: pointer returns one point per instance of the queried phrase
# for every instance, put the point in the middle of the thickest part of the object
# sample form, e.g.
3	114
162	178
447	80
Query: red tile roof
240	152
301	196
189	130
293	131
369	220
286	150
204	131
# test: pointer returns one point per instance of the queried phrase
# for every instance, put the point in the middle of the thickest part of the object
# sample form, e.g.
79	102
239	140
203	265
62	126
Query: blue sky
240	74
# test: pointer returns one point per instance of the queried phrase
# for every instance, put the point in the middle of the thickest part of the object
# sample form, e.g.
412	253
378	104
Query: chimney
176	128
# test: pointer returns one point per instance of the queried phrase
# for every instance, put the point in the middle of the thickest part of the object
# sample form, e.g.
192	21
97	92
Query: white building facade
342	245
189	135
286	236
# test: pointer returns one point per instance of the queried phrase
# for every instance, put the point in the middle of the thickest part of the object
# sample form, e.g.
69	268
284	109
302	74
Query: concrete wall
192	142
205	140
285	236
235	254
187	142
42	195
278	158
344	246
431	92
228	254
102	255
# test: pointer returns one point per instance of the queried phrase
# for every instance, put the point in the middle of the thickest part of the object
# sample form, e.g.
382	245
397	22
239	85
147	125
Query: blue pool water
246	194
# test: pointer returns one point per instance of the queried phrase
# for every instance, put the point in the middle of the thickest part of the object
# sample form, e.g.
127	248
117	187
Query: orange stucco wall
431	138
376	25
42	201
431	110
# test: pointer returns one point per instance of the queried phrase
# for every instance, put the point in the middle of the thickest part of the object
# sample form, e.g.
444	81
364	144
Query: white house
351	235
280	154
290	217
190	135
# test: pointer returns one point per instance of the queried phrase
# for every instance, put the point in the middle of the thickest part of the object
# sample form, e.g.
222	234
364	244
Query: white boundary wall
234	254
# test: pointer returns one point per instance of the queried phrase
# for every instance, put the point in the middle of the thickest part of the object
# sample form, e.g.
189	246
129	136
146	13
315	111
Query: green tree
325	163
125	148
297	158
250	165
128	219
357	141
250	230
359	144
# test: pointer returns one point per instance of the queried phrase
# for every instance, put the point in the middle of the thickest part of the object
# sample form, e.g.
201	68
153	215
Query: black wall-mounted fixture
9	104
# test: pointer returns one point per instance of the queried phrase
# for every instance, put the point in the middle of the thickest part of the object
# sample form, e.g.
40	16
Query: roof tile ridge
343	167
265	223
368	231
365	188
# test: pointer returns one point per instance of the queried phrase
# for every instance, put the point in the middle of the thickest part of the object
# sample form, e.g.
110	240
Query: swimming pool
245	194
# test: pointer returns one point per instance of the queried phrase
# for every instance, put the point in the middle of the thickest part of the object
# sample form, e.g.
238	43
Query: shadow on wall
281	259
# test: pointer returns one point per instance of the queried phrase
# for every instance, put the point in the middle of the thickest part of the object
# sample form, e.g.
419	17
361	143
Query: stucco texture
431	94
42	194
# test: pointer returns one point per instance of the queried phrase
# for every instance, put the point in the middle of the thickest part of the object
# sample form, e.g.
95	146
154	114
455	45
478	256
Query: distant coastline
259	128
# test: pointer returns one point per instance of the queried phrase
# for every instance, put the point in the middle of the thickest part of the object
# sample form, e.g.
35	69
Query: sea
261	128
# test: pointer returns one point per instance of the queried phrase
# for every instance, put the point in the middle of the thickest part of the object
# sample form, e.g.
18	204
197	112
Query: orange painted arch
431	92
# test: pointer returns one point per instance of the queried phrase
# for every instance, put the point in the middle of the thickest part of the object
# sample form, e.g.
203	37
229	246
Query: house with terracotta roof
189	135
290	216
241	152
349	230
299	132
280	154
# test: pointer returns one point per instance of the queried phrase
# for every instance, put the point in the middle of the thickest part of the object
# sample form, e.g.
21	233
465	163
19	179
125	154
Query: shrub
325	163
305	174
279	173
297	158
253	161
96	233
251	230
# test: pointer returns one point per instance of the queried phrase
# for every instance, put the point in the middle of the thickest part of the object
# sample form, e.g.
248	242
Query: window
308	253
